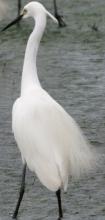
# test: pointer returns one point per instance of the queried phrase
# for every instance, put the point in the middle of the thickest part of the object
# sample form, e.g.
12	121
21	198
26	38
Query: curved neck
29	74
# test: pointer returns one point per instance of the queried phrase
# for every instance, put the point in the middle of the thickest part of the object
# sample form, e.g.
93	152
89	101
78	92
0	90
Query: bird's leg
58	194
58	17
19	8
21	193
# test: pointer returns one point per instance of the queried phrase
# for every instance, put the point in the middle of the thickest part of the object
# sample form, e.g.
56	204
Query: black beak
13	22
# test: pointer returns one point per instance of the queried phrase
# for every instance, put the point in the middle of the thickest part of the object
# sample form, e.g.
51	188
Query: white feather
50	140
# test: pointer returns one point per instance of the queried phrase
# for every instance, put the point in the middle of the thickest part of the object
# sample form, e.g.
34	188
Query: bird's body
39	140
50	141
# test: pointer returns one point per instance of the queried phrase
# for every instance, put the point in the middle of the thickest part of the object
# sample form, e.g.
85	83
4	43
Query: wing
62	135
47	134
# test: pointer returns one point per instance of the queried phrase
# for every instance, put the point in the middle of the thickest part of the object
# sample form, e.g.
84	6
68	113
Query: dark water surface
71	66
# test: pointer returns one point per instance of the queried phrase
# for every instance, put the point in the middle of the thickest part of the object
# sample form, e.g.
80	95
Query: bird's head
32	9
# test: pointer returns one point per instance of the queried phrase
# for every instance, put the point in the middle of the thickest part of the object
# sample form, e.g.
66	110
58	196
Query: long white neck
29	74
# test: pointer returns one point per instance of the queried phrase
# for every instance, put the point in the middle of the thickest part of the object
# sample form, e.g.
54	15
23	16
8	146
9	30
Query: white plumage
50	141
3	9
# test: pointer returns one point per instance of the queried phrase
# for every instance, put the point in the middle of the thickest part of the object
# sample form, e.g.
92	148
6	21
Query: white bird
50	141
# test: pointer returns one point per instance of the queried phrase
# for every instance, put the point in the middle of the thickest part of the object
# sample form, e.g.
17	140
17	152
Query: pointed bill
13	22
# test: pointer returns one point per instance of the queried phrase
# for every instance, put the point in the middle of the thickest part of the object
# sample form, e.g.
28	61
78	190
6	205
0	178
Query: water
71	68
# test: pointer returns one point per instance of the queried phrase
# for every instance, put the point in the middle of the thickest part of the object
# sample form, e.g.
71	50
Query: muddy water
71	66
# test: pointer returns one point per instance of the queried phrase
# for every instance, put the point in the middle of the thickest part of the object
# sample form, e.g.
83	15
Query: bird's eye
25	11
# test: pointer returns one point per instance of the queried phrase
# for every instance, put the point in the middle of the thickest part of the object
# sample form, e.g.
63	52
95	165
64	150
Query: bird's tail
82	156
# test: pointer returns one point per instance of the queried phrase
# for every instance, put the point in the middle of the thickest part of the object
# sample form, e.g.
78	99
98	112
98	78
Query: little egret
50	141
